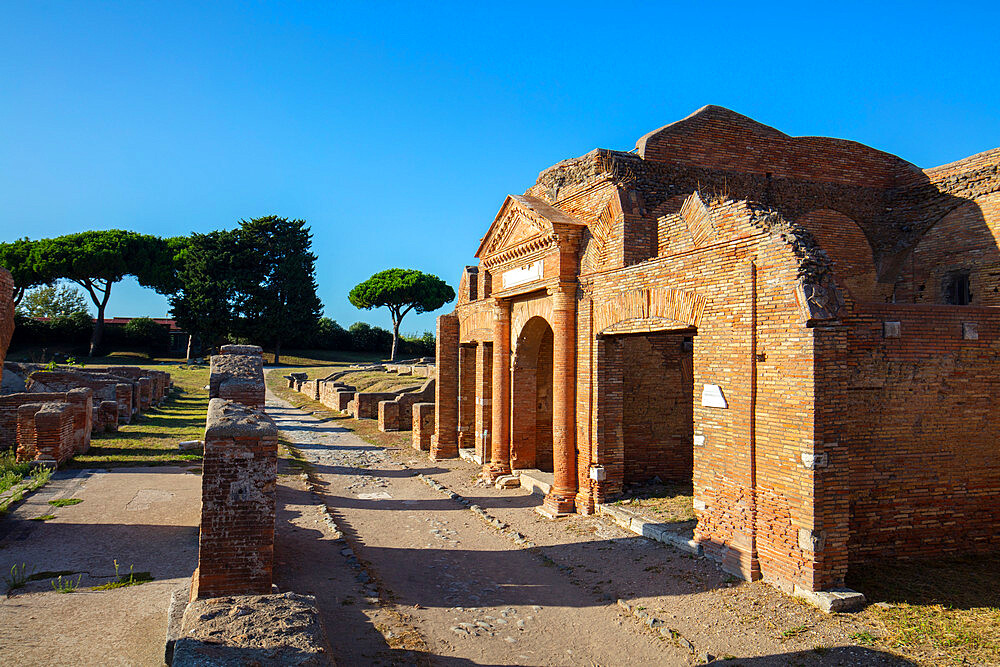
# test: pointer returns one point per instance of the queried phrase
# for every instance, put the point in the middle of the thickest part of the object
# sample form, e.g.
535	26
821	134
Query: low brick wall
400	418
80	401
237	377
365	404
340	399
105	387
45	432
239	475
106	418
423	425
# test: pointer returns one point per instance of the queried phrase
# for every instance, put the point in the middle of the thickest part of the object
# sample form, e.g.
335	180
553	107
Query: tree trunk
277	352
395	338
190	338
95	338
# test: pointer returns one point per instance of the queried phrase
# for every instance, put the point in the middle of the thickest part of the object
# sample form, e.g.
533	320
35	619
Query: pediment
521	219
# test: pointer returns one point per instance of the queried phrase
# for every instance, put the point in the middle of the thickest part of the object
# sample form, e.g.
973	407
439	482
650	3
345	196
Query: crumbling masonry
806	329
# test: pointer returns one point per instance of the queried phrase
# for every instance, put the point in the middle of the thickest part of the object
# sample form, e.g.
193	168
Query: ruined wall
238	377
964	241
917	388
236	539
749	493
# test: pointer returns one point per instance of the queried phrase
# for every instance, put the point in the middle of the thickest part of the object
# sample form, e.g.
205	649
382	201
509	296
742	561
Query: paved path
146	518
471	593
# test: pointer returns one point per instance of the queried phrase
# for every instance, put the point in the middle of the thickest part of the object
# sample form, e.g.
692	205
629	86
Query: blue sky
396	129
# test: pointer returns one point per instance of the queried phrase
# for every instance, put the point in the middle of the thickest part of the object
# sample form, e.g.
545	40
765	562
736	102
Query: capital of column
501	309
563	295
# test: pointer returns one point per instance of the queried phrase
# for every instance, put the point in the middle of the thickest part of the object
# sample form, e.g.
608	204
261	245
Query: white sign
524	274
711	397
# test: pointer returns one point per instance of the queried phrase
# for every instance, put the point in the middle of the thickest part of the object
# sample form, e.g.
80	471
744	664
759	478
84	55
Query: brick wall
658	400
817	441
400	416
236	539
423	426
444	443
45	432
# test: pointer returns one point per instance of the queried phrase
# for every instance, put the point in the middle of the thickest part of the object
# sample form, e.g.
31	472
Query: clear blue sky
396	129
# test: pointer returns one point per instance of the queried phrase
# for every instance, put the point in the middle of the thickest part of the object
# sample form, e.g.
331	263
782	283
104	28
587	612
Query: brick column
444	442
499	463
484	392
561	499
466	395
236	541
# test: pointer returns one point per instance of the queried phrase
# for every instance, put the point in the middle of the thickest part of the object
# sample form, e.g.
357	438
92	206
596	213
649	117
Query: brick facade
237	377
800	326
423	426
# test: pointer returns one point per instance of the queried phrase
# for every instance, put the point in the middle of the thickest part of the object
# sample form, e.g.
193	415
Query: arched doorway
531	398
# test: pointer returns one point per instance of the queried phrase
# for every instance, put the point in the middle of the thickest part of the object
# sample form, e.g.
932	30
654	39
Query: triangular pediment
522	218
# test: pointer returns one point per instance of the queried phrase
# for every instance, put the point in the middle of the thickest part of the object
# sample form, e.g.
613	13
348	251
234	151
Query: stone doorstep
469	454
833	600
536	481
650	529
829	601
175	615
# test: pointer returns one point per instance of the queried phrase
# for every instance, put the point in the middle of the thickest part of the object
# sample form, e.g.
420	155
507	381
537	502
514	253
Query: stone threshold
829	601
660	532
469	454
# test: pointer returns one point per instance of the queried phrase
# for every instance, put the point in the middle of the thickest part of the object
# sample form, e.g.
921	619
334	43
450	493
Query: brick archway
531	397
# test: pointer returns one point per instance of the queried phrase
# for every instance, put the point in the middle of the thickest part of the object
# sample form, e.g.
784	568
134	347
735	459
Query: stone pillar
236	542
444	442
484	392
561	499
499	463
466	396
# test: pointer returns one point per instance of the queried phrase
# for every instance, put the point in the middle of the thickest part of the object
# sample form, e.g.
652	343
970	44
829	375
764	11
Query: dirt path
457	591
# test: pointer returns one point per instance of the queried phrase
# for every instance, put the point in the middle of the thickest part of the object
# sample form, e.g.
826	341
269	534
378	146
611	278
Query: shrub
145	333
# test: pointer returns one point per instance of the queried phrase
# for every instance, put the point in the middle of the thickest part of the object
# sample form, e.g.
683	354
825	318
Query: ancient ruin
236	538
803	328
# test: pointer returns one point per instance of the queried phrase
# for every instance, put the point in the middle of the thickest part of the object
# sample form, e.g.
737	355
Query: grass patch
12	471
44	517
152	437
663	501
18	577
65	502
947	607
323	358
67	585
124	580
39	477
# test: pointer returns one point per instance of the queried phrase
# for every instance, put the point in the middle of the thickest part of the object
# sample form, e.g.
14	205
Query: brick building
805	328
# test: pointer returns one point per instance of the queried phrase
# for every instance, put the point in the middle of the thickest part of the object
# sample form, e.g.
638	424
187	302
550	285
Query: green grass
67	585
12	471
44	517
37	479
152	437
124	580
65	502
323	358
946	607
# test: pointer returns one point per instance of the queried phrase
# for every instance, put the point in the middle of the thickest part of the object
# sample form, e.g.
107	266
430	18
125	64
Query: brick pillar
82	400
484	391
561	498
444	442
499	463
466	396
236	542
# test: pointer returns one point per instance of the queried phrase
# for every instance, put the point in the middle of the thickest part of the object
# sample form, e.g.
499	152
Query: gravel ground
444	585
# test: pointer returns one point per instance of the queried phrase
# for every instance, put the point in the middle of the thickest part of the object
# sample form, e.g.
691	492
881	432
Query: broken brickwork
397	414
236	538
804	329
237	377
105	387
45	432
423	426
